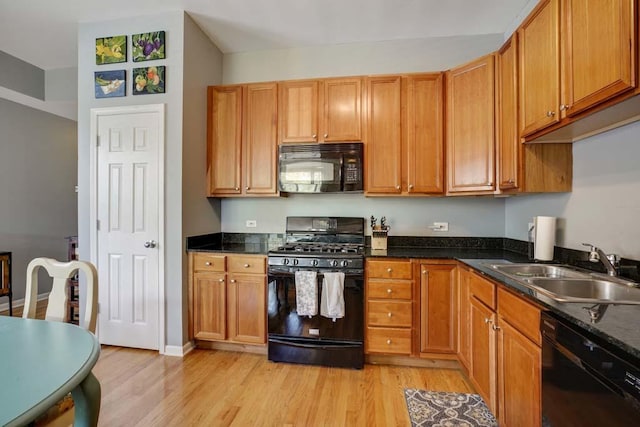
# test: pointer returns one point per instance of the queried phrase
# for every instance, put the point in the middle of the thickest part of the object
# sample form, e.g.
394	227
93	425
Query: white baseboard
20	302
174	350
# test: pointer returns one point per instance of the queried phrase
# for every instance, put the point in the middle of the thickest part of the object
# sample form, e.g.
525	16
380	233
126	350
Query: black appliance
320	168
586	382
320	244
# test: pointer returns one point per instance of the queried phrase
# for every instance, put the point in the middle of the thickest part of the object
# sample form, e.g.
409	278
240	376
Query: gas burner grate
320	248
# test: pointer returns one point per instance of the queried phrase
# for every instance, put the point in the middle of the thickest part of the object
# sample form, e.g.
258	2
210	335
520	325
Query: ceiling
44	32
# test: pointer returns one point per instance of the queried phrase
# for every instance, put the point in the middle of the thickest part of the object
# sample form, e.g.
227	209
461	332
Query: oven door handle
314	345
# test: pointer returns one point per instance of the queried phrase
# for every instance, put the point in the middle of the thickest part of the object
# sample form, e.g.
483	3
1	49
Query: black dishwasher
585	382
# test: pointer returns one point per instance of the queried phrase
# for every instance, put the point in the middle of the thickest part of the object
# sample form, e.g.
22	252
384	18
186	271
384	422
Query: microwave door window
310	176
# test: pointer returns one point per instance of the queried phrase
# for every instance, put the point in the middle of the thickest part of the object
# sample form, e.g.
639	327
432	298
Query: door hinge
98	224
98	140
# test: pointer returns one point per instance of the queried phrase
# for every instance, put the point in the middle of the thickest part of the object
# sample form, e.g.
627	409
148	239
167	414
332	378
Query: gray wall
38	203
203	67
604	206
172	23
20	76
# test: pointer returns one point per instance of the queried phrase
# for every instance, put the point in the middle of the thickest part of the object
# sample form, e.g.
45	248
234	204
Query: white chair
62	413
57	304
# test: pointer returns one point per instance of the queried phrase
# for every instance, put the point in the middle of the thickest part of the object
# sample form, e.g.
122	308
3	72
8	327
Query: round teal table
41	362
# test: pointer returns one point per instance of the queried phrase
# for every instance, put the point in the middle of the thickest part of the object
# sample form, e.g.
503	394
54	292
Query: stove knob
334	263
285	261
345	263
295	261
315	262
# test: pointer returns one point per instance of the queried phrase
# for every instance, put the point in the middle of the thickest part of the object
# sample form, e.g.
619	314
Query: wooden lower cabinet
483	352
438	308
228	298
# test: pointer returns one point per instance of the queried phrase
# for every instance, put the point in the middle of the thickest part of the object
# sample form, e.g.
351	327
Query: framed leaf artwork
111	50
147	46
110	84
148	80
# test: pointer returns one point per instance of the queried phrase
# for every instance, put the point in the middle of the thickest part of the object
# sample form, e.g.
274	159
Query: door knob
150	244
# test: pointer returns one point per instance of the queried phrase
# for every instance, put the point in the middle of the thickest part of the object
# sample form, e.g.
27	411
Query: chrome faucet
610	262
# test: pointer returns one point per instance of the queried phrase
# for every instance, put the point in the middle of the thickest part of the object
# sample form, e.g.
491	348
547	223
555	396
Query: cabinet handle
388	341
247	266
551	113
389	315
495	327
326	135
389	270
221	280
389	291
208	263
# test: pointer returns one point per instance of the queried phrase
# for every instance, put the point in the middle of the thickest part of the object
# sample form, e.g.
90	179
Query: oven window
310	172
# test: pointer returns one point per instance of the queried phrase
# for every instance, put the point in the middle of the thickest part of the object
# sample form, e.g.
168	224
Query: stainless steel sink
524	271
566	284
596	291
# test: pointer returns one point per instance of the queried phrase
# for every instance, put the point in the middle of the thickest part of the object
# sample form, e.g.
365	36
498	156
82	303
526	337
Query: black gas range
319	245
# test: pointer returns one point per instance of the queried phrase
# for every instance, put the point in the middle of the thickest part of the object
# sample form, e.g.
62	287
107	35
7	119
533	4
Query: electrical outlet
251	223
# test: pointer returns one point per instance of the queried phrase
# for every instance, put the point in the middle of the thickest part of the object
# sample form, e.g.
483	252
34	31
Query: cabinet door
507	139
470	126
598	58
483	352
425	138
519	373
342	114
464	319
259	139
209	306
298	111
384	136
538	42
247	308
224	139
438	308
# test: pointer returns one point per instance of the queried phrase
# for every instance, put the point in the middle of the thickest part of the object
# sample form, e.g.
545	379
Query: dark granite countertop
445	253
239	248
618	326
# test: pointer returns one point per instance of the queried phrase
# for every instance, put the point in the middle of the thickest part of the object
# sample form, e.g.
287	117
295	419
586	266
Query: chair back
57	304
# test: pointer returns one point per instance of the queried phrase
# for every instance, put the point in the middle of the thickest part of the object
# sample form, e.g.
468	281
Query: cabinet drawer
389	313
388	340
520	314
389	289
246	264
483	290
389	269
208	262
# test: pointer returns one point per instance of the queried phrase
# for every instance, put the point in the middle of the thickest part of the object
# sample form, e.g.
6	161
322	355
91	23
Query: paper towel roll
544	237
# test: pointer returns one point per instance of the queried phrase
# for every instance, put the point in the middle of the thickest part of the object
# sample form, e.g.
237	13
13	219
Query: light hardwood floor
220	388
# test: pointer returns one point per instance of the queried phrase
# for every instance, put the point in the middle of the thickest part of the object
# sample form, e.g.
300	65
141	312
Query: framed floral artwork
110	84
147	46
148	80
111	50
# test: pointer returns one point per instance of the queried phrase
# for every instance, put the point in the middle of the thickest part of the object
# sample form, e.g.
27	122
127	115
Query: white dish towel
306	293
332	299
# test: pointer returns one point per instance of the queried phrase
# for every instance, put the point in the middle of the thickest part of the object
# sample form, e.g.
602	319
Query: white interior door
129	211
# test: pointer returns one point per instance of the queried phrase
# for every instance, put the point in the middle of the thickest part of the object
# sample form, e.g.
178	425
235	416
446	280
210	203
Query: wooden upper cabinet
425	134
508	142
298	111
225	138
599	59
342	110
384	136
259	139
470	127
539	52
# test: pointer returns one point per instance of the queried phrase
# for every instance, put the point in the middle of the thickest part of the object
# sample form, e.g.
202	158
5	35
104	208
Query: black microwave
320	168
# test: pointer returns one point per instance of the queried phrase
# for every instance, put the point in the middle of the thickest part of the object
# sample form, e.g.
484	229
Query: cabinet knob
247	266
397	187
510	181
233	280
489	182
314	136
389	291
388	341
237	188
495	327
564	107
221	280
424	271
487	320
389	315
246	188
410	186
551	113
208	263
326	135
389	270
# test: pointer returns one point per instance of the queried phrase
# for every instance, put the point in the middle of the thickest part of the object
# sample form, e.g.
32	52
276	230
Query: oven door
306	174
284	321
